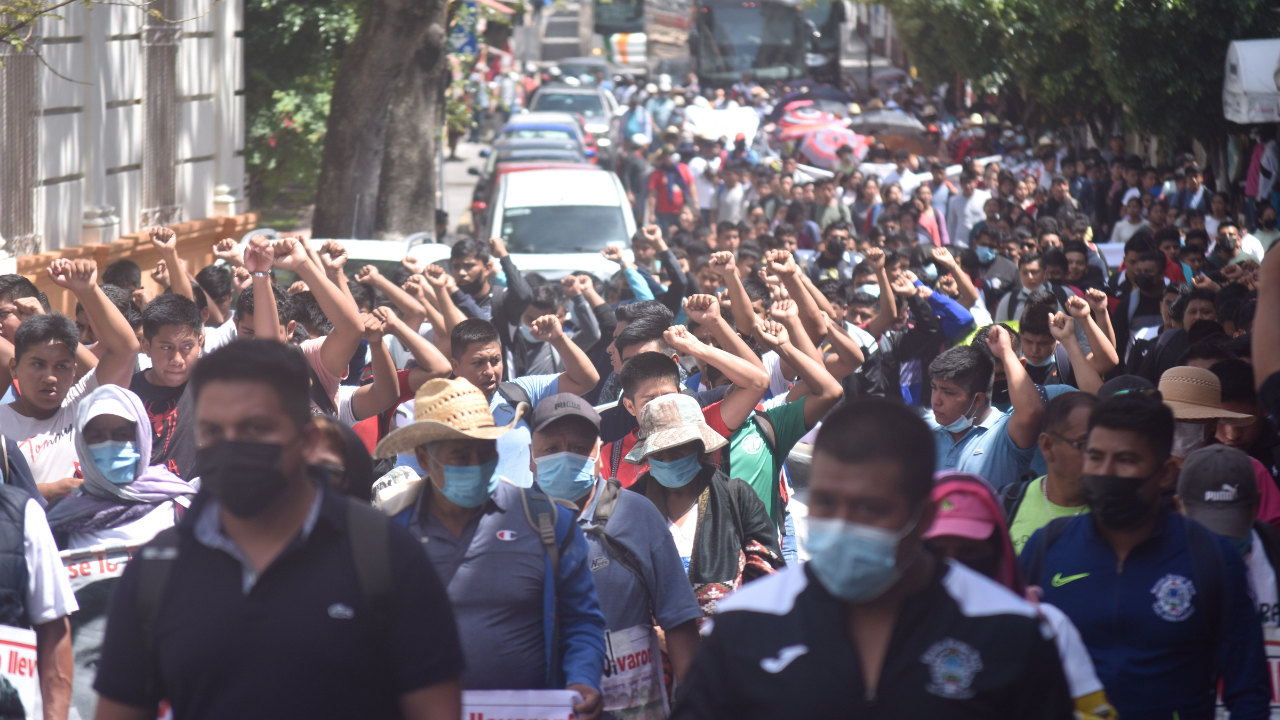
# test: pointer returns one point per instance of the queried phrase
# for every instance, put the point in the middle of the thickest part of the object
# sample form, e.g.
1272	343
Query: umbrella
820	147
886	122
802	121
823	96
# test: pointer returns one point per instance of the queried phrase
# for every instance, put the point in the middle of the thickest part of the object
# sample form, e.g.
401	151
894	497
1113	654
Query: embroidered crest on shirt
1173	598
753	445
952	667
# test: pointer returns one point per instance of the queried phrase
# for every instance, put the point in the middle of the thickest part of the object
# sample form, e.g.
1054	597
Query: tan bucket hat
1194	394
671	420
446	410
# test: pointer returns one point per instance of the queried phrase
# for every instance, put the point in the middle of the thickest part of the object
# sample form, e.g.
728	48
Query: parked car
524	152
597	108
559	219
549	126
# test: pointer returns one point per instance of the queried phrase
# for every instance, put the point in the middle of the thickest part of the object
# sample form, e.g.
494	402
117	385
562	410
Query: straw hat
446	410
669	421
1195	394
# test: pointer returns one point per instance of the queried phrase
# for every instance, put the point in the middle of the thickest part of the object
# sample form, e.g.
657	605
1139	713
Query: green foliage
292	51
1161	60
19	17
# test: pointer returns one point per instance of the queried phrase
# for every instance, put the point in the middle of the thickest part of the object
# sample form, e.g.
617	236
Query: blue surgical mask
527	332
566	475
985	254
469	486
964	422
118	461
873	289
1243	545
1042	363
677	473
854	562
931	272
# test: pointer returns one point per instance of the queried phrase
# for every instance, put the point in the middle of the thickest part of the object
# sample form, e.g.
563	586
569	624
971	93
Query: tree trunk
407	191
367	80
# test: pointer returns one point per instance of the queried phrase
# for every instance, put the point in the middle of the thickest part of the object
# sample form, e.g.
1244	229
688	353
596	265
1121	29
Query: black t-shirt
172	414
301	643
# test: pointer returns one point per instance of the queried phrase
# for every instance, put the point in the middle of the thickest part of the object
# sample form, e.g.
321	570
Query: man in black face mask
1162	604
478	295
1137	319
224	614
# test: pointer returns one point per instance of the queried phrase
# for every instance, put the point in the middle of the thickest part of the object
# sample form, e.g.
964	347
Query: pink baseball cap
962	514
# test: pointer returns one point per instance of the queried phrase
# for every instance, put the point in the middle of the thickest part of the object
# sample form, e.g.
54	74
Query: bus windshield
619	16
766	38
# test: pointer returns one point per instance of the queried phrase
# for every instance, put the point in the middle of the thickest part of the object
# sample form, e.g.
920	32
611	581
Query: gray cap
1219	490
563	405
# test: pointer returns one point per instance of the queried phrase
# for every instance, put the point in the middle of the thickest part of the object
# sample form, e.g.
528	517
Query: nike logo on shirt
1059	581
787	654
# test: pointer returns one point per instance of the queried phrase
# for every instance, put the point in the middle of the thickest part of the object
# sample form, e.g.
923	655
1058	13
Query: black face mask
1269	223
1115	501
472	288
1146	283
1000	396
244	476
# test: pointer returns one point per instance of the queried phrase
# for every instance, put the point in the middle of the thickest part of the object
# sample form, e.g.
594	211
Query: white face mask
1188	437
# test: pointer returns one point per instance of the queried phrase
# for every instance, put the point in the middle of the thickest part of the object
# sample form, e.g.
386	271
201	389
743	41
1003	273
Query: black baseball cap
1219	490
562	405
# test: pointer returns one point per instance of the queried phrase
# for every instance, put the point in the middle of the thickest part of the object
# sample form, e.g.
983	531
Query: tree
292	51
406	191
368	79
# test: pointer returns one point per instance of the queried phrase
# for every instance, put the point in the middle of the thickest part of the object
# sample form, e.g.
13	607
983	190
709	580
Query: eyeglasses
1149	393
1077	444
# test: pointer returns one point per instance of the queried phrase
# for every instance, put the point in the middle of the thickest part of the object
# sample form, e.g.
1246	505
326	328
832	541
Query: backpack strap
767	431
615	457
1011	499
606	502
4	443
1052	532
369	534
155	563
514	394
542	519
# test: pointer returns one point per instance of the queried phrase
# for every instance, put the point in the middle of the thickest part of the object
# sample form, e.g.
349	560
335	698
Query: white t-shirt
48	444
1262	583
219	336
705	188
683	532
138	532
347	413
729	203
778	383
49	594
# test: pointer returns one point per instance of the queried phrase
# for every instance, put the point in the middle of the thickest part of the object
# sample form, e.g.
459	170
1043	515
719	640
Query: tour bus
640	34
774	40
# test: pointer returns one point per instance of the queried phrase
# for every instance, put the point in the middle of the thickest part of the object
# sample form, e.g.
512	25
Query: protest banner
94	572
20	683
519	704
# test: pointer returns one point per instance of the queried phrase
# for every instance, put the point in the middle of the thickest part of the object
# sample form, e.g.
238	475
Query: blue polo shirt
663	593
513	448
496	575
986	450
1156	645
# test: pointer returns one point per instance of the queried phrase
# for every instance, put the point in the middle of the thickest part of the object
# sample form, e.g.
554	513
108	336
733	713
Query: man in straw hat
264	601
721	528
500	550
637	571
1195	397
